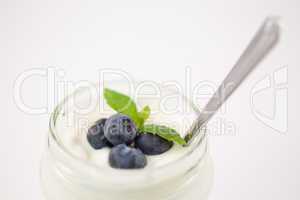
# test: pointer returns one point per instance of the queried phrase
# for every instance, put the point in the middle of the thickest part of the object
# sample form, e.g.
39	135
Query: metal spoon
264	40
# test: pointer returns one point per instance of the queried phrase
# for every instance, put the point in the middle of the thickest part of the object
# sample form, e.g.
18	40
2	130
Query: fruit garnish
125	105
124	157
95	135
151	144
128	135
164	132
120	129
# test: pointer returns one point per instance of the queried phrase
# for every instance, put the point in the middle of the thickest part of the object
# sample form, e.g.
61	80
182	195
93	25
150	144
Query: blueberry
151	144
120	129
95	135
124	157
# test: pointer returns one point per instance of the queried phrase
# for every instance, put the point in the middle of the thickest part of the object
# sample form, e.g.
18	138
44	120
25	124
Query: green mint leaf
123	104
145	113
164	132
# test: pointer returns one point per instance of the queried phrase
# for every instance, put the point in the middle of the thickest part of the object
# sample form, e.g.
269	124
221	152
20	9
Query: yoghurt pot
71	170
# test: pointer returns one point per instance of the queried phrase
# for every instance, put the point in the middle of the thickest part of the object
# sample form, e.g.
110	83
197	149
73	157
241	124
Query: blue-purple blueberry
120	129
151	144
124	157
95	135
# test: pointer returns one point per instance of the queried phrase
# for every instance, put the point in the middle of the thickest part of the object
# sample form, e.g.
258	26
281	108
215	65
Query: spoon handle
264	40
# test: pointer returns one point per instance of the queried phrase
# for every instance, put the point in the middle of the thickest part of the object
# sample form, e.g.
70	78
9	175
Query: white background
152	40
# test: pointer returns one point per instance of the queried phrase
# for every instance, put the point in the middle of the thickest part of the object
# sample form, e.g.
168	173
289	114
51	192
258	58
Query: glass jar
66	176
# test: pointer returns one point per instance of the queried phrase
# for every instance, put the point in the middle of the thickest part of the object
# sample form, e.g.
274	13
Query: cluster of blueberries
128	145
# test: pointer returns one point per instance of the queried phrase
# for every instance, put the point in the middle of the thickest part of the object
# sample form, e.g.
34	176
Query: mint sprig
144	114
125	105
164	132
